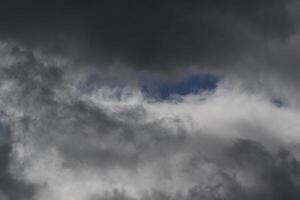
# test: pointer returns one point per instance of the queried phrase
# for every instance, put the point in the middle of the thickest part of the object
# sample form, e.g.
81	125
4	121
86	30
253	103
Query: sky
150	100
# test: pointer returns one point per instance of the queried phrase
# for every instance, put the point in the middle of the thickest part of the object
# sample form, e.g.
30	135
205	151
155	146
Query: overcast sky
150	100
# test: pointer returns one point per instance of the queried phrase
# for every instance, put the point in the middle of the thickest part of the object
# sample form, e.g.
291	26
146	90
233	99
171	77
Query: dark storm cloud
148	34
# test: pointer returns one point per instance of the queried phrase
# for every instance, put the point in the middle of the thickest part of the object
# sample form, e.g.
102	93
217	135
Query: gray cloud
11	187
151	35
254	40
278	175
114	143
60	135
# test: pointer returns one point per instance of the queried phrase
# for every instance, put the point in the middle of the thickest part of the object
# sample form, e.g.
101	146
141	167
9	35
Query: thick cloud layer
255	40
152	35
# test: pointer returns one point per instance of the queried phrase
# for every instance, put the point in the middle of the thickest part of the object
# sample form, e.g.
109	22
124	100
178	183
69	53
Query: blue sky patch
279	102
4	133
164	89
157	87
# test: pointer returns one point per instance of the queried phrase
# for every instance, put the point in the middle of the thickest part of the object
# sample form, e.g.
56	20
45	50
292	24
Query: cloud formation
115	143
76	122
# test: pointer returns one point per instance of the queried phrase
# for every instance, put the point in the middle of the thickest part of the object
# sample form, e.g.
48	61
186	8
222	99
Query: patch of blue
4	133
162	89
278	102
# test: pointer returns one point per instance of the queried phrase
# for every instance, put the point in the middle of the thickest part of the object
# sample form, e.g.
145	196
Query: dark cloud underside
148	34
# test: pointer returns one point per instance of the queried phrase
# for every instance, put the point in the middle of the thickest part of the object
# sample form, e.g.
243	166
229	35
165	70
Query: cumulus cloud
114	142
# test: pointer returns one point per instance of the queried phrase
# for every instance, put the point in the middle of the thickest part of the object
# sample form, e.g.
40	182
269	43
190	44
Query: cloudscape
150	100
